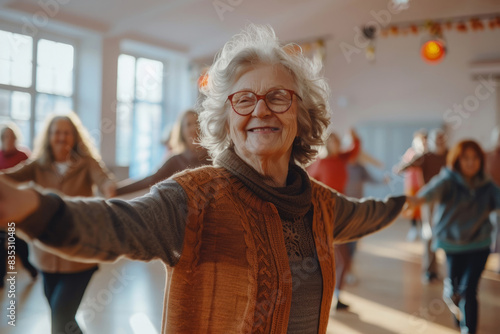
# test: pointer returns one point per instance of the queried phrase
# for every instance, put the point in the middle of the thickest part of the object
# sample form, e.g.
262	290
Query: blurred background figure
357	176
493	170
332	171
465	197
413	180
10	156
183	144
65	160
166	140
429	163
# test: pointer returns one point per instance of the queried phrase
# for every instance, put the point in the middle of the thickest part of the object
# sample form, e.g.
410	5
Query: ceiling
200	27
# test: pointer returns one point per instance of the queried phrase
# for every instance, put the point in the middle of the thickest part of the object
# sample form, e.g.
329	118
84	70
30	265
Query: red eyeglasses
277	100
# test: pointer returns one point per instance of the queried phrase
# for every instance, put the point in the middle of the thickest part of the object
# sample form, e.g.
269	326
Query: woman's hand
412	203
15	204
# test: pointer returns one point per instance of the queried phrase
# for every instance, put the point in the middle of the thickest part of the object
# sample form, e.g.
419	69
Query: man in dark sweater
430	163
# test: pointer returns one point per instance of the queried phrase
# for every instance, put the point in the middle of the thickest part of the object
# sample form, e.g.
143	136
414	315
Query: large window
139	114
36	79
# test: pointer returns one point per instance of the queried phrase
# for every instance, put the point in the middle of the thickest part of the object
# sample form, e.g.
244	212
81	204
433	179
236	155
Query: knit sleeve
145	228
355	219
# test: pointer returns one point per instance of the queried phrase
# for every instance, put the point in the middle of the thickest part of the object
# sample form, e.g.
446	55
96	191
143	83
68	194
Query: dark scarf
292	201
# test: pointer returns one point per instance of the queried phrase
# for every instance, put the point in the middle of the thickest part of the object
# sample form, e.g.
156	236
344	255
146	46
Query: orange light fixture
433	51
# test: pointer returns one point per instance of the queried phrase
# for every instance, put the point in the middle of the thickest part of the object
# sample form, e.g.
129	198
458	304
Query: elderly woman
248	242
64	160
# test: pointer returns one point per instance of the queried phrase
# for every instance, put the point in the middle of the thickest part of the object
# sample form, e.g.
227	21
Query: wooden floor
127	297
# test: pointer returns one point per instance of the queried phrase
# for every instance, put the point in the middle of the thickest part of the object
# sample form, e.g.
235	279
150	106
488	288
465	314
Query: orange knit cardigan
233	275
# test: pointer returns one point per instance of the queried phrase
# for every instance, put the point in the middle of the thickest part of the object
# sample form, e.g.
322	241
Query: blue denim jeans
64	292
464	273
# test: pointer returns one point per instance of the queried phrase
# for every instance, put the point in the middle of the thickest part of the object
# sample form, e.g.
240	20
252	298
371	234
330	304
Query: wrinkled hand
15	204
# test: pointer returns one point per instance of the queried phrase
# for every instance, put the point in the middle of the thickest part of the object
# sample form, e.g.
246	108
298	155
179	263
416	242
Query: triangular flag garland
438	26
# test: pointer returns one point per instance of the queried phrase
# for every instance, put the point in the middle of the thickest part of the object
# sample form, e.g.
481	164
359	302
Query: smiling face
470	163
263	134
62	139
8	140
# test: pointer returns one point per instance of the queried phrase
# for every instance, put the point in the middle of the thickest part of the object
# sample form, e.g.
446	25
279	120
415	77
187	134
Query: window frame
55	37
135	101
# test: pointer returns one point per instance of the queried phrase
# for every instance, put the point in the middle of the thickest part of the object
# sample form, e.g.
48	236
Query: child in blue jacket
465	197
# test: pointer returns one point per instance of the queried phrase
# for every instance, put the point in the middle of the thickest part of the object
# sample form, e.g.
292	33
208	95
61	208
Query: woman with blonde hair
66	161
183	143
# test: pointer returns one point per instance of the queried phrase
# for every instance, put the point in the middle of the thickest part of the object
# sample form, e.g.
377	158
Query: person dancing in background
65	160
189	154
413	180
332	171
357	176
429	163
10	156
464	198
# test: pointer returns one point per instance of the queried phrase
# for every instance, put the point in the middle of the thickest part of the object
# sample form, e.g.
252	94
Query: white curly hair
258	44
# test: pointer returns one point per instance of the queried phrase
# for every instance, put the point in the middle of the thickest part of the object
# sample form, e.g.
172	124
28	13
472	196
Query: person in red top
332	171
10	156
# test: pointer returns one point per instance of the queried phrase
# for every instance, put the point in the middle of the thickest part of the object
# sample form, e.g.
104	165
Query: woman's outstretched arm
145	228
357	218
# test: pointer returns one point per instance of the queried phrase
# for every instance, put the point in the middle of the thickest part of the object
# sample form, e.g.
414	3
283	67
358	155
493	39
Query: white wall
88	70
401	86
